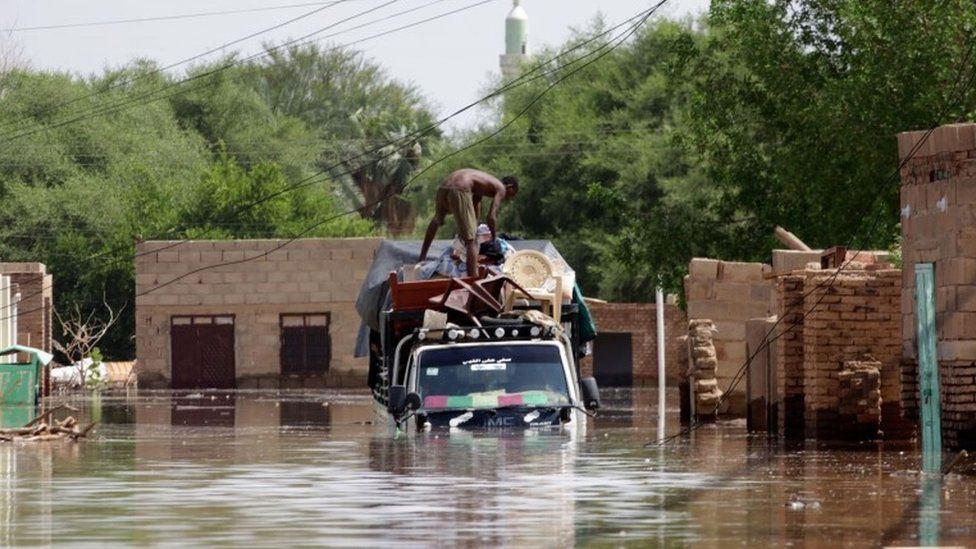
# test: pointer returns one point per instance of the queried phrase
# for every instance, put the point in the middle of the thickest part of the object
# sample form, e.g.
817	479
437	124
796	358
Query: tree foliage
697	138
90	165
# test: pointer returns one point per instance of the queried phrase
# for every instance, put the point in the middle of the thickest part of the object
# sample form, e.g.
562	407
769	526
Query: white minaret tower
516	42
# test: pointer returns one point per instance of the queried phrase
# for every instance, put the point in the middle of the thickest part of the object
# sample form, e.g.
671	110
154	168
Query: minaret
516	42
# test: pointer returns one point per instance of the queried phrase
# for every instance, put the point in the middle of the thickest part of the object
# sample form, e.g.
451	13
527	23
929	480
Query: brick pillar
938	221
789	352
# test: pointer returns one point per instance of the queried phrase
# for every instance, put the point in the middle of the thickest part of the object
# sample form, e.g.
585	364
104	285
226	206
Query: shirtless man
460	195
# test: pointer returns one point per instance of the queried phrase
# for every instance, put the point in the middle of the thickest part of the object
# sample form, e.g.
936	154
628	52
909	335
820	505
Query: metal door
203	352
613	360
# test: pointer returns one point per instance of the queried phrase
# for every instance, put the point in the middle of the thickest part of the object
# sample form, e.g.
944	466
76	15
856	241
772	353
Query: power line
523	79
164	17
72	149
148	96
190	59
619	40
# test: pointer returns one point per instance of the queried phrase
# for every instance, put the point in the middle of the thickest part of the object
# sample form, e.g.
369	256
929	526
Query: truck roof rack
508	332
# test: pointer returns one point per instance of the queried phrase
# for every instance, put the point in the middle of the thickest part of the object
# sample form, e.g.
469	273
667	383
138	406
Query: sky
451	59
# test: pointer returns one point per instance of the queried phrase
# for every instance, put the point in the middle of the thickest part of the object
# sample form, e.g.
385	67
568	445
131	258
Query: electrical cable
521	80
164	17
389	195
111	109
141	76
642	17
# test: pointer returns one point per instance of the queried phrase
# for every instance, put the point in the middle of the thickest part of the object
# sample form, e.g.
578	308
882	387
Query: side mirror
398	399
591	393
413	401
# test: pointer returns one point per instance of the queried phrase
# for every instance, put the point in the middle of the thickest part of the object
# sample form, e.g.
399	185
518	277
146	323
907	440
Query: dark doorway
203	352
613	360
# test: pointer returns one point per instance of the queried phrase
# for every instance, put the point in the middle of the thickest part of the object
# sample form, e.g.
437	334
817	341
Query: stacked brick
729	294
640	321
938	219
702	371
909	389
306	276
860	400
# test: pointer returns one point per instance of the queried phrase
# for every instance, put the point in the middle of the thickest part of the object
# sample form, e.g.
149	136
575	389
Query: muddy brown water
300	468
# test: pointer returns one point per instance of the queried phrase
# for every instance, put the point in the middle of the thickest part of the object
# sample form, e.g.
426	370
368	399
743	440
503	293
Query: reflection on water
288	468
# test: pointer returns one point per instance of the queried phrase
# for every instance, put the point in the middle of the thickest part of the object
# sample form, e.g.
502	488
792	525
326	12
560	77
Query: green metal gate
928	368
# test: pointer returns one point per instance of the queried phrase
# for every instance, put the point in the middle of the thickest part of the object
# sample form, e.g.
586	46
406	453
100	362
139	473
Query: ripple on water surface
297	468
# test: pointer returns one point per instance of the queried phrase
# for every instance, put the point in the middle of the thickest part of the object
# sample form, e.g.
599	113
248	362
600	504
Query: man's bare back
476	181
476	184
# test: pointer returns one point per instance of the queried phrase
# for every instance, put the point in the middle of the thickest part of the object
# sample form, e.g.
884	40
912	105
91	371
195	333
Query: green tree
355	109
797	103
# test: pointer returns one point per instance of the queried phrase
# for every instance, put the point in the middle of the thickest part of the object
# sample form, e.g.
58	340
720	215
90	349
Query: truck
484	368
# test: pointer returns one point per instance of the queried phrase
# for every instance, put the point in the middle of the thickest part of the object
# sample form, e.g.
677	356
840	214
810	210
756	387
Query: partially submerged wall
830	321
938	220
729	294
258	285
639	322
789	353
851	317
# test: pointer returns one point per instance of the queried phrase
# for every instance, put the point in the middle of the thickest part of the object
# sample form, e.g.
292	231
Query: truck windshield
492	376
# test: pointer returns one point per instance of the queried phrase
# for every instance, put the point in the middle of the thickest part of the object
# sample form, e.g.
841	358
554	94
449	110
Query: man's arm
429	237
496	203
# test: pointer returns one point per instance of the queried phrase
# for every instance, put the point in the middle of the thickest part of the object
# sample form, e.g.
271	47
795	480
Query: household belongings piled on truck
526	310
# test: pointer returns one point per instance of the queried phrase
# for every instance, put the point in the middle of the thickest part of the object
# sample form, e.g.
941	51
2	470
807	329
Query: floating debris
39	430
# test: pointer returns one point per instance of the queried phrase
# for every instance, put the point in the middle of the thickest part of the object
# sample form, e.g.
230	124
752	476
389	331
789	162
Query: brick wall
938	219
851	317
35	308
640	320
306	276
729	294
789	353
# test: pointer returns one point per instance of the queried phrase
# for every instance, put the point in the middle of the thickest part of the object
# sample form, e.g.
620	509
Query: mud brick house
938	222
243	314
625	349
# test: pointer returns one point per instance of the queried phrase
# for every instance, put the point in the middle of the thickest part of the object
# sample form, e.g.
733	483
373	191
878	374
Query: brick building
35	305
938	221
625	349
264	317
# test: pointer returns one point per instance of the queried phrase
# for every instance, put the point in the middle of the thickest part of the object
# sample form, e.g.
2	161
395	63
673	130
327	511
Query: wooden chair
467	300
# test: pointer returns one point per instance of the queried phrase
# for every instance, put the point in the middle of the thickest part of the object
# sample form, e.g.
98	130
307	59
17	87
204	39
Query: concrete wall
938	217
305	276
729	294
640	320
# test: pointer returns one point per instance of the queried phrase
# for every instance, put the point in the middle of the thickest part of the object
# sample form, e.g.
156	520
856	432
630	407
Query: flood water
303	468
